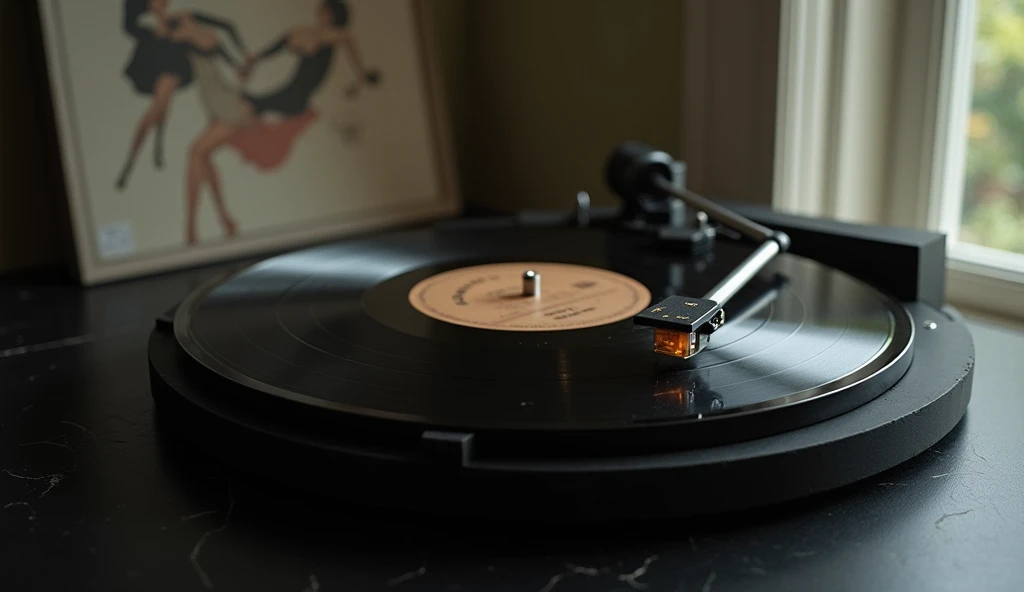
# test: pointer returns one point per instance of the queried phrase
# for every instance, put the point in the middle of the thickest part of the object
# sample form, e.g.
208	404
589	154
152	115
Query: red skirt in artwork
268	143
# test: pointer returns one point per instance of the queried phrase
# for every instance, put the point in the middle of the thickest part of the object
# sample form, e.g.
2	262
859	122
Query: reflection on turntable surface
332	328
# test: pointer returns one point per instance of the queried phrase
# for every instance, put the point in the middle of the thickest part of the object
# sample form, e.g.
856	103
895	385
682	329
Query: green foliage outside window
993	206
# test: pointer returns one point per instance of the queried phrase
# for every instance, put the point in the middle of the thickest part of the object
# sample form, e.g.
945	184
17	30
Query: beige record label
493	297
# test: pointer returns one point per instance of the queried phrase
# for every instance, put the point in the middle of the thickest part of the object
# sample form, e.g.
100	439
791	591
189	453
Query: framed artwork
195	130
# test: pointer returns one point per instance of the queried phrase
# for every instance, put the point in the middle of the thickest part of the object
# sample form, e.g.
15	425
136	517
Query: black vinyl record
330	333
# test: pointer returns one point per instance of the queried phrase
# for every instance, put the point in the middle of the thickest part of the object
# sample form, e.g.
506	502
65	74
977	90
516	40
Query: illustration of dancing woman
160	64
240	119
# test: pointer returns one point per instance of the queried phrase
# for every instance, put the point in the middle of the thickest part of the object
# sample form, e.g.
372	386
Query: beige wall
730	70
542	91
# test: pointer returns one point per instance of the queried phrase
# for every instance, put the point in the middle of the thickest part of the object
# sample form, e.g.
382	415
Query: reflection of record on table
421	347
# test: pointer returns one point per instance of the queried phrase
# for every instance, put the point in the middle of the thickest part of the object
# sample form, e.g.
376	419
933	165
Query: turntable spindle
531	283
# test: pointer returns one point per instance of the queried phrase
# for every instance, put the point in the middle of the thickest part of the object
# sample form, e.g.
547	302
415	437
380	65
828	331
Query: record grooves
314	344
320	353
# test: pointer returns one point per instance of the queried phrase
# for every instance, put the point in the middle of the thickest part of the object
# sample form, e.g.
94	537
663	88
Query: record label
492	297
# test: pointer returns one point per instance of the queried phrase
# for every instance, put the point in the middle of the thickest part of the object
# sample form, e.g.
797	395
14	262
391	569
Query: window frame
840	58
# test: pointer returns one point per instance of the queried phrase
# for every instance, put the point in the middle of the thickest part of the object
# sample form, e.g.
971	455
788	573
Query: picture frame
196	131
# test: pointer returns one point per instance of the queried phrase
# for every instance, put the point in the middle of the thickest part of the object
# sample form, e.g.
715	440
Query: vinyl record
370	337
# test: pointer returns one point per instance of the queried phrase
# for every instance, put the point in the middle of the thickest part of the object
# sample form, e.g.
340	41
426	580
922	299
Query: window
911	114
981	201
992	209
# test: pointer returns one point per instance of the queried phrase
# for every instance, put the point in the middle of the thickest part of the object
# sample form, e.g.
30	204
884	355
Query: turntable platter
333	328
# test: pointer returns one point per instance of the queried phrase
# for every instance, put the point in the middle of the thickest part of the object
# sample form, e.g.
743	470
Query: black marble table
97	493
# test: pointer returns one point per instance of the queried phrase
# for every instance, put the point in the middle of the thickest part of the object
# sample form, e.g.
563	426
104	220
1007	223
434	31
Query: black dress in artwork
154	56
292	97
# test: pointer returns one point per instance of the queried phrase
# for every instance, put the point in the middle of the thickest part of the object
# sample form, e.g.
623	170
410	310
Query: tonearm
683	325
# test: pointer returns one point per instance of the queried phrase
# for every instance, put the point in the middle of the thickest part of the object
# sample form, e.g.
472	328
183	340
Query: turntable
671	357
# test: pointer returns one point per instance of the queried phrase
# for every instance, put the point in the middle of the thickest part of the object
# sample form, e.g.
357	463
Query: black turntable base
406	370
